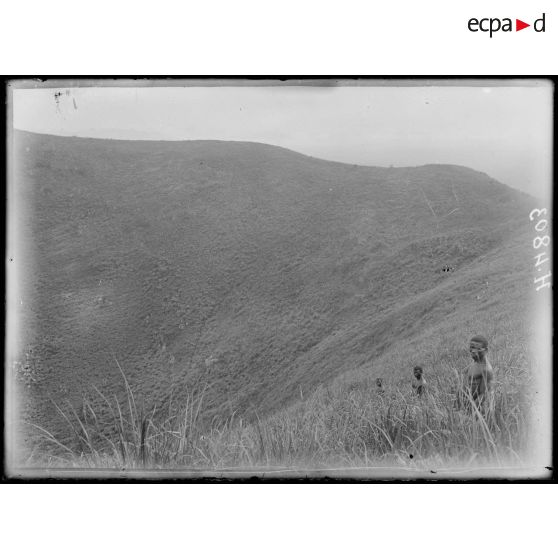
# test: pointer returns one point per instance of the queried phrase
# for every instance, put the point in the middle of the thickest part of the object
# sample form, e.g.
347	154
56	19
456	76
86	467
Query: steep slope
250	268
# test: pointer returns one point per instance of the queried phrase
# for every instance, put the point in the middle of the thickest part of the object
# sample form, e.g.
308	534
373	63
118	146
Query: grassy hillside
250	271
346	426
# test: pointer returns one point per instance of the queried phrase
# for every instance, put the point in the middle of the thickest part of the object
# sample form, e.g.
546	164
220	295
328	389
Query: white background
271	37
272	521
289	37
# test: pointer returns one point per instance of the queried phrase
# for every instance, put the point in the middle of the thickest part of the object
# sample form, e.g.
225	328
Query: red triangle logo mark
519	25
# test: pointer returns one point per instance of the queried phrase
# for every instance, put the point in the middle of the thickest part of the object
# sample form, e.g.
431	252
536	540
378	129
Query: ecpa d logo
492	25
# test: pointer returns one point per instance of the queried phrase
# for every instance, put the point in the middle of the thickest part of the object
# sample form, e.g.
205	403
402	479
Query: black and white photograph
279	278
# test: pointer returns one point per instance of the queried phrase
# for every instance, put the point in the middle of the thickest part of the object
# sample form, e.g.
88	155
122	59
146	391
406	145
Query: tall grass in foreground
344	425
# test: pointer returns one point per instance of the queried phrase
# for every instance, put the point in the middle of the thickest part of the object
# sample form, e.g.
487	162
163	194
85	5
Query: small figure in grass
419	383
380	386
477	378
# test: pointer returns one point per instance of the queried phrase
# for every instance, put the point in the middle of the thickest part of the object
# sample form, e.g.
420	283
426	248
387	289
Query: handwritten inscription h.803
538	243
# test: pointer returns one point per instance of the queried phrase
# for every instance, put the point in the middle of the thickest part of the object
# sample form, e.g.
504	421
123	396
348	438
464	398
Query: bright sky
503	131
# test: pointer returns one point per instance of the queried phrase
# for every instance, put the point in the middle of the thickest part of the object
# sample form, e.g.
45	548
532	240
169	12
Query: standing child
476	383
380	386
419	383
